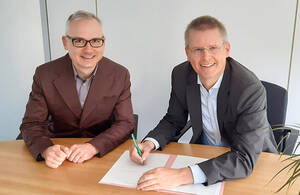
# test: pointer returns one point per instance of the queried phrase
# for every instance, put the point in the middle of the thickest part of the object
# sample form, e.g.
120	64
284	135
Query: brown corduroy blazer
106	116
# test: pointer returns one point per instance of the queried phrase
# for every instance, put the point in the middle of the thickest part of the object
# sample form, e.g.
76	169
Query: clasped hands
161	177
55	155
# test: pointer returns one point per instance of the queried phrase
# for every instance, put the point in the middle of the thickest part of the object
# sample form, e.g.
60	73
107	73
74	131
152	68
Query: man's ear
64	41
187	53
227	49
104	38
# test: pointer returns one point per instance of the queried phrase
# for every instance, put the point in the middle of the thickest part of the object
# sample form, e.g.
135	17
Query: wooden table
21	174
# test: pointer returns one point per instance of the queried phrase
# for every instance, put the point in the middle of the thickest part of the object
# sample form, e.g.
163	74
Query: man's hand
82	152
165	178
146	147
55	155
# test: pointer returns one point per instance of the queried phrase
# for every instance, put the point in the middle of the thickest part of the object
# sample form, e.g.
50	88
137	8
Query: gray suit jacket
242	119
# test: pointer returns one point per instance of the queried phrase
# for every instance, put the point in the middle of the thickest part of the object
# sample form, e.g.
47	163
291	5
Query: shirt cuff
154	141
198	175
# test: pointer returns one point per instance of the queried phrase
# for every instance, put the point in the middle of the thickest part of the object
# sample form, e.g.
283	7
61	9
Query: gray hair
204	23
81	14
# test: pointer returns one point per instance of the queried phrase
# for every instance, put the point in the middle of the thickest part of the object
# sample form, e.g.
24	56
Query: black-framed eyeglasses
80	43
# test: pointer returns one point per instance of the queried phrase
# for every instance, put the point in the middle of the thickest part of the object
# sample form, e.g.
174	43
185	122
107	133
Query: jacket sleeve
34	127
247	139
176	116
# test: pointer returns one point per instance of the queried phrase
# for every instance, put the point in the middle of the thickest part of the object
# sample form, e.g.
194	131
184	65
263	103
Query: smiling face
207	53
86	58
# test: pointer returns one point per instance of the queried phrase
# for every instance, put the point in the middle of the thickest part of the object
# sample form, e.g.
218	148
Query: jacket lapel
66	87
223	97
97	90
194	104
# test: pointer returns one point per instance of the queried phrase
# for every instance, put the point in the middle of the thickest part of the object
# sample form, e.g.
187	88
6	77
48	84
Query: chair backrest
277	98
136	119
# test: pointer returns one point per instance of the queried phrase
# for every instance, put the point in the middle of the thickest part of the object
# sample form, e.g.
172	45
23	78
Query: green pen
137	146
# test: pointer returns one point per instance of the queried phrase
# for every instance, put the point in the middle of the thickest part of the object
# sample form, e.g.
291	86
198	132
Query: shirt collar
77	76
216	85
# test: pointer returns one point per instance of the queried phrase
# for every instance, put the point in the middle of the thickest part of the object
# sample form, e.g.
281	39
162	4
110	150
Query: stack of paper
126	173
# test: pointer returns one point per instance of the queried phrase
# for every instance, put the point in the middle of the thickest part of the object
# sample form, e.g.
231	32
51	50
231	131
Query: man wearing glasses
81	94
227	106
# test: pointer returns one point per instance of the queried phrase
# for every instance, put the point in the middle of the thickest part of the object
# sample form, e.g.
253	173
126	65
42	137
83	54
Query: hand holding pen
140	151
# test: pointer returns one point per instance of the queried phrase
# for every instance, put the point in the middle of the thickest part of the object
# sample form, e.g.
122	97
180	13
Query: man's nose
206	54
88	46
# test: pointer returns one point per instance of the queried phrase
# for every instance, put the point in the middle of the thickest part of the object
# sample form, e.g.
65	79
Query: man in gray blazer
227	106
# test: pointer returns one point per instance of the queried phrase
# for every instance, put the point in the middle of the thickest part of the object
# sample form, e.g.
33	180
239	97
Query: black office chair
19	137
136	119
277	98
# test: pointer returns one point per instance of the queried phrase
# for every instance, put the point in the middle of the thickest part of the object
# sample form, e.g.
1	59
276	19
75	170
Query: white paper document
126	173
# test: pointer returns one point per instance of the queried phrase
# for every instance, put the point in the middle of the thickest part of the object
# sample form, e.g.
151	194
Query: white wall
58	13
147	37
21	51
